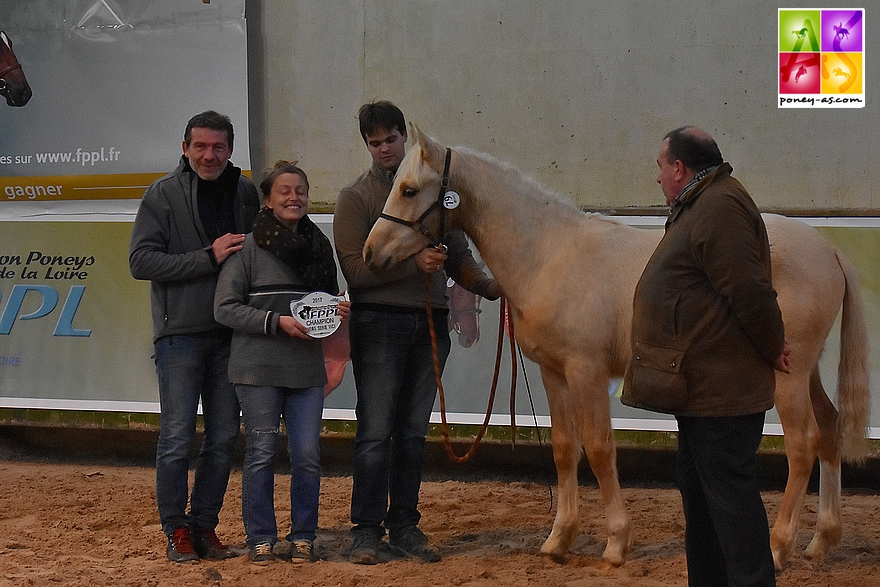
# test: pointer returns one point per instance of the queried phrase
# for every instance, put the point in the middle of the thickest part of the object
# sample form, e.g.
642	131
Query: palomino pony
569	278
13	85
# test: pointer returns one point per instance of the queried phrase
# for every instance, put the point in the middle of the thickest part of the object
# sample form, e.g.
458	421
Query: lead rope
514	350
447	443
506	321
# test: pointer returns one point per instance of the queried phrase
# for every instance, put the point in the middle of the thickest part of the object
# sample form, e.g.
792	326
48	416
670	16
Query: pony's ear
416	133
430	148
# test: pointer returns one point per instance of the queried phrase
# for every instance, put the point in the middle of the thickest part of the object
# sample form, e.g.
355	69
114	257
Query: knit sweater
254	289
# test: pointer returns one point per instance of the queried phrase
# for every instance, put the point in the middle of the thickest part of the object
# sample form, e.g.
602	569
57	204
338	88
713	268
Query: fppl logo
821	57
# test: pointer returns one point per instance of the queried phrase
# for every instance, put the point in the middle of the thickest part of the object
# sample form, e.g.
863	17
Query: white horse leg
829	526
566	454
784	533
801	442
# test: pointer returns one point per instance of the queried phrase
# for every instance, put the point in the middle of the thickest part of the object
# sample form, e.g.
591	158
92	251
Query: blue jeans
262	408
393	368
193	367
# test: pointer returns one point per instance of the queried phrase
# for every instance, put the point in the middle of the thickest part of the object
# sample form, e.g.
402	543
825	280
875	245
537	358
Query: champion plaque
319	312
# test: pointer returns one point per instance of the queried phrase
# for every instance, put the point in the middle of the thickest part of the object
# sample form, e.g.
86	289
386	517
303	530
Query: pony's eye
410	193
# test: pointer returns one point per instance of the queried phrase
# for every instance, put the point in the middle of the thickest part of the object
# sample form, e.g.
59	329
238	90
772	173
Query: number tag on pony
319	312
451	200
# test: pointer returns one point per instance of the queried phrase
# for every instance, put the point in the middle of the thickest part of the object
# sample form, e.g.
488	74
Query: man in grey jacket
188	224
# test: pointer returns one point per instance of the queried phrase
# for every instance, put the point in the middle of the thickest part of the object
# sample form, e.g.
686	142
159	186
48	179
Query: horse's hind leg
828	524
801	445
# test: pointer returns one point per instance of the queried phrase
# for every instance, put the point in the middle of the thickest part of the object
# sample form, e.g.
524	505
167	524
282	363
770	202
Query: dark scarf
216	201
305	250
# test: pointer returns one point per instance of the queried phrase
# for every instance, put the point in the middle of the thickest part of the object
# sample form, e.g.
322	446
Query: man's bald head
692	146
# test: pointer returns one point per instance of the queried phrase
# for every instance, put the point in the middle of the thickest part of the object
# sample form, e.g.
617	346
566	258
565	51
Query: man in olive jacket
707	334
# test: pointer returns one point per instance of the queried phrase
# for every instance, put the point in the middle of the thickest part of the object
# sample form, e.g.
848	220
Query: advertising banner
74	327
110	88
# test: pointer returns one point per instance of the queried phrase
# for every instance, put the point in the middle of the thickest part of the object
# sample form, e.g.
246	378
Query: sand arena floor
63	523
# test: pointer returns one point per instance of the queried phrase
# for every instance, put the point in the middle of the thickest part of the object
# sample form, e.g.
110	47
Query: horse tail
853	381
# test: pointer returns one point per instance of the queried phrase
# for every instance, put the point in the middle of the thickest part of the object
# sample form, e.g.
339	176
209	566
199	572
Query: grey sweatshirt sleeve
231	306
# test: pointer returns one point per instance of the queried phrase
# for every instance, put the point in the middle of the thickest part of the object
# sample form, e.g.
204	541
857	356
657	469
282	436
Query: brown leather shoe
208	546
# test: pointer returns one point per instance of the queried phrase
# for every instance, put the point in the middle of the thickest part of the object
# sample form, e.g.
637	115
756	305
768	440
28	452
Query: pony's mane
535	189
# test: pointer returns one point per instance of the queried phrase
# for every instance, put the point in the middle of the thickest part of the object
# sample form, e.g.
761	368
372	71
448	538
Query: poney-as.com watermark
821	57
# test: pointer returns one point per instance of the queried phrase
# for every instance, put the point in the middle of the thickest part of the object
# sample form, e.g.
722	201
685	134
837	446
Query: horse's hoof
615	553
557	556
559	559
778	562
816	553
613	562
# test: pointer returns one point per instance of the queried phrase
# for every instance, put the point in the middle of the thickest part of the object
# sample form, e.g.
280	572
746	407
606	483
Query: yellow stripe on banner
117	186
77	187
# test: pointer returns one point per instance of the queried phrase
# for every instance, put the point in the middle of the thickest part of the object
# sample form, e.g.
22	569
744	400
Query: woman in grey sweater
277	368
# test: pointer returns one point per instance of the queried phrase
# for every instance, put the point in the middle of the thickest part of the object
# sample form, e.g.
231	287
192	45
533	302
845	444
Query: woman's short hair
280	168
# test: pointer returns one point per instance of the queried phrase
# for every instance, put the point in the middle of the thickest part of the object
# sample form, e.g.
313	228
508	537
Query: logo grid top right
821	57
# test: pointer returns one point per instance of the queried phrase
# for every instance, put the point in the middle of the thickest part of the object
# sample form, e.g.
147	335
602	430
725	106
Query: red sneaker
180	546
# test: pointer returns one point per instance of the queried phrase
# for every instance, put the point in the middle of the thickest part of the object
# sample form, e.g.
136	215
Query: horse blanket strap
417	224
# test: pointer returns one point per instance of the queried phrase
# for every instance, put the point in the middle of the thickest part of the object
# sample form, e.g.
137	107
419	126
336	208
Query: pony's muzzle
372	263
376	260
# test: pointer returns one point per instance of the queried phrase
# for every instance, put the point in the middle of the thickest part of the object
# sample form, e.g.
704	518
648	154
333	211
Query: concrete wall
577	93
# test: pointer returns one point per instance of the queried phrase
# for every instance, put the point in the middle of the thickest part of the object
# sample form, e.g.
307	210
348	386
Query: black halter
12	67
417	224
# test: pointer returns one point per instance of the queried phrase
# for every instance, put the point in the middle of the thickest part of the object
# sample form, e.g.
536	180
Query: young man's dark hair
382	114
212	120
692	149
